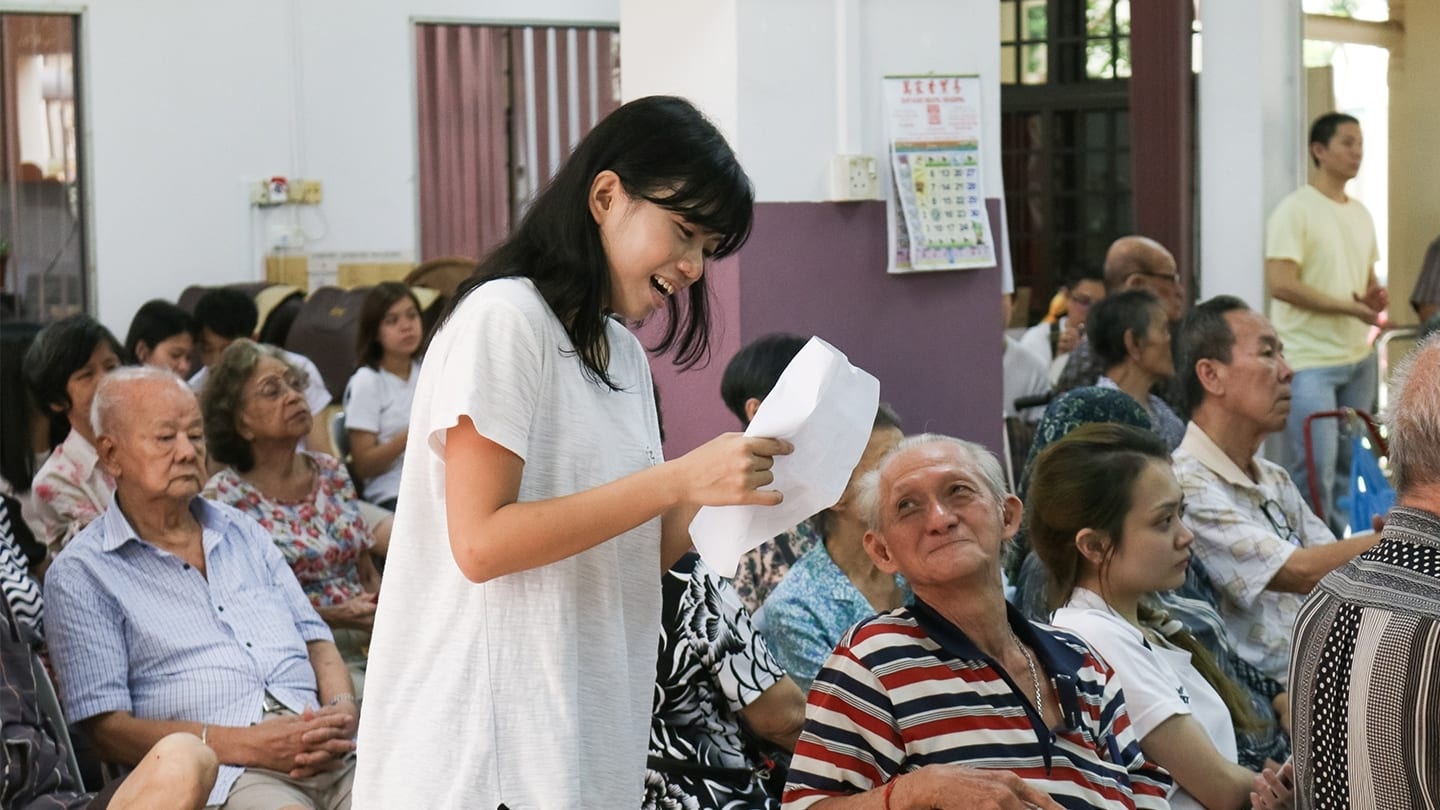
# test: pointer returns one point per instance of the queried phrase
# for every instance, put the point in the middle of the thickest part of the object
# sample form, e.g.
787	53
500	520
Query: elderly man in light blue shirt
172	613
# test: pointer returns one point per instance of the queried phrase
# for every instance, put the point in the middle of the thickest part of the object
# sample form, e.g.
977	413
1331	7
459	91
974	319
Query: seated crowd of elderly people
209	581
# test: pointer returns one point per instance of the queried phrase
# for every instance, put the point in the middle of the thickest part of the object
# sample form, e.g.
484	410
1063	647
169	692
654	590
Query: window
499	109
1065	129
42	202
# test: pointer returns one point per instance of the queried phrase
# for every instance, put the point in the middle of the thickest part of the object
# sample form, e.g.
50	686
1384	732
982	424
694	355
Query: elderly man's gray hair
111	391
868	495
1413	417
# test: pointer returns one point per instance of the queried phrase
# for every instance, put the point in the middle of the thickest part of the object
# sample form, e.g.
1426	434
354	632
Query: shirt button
221	608
187	566
248	644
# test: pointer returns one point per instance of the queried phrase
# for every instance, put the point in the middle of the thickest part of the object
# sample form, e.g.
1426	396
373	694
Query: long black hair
664	151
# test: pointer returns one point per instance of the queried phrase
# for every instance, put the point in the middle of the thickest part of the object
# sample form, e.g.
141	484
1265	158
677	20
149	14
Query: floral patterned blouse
70	490
321	535
762	568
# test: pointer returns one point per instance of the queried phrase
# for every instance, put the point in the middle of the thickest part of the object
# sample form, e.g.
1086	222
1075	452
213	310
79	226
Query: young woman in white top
513	657
378	396
1108	541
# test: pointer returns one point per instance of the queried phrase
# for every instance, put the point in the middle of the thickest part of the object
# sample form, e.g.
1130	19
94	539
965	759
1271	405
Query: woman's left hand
1274	791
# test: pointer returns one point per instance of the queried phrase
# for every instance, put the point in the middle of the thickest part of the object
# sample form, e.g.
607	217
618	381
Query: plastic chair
49	704
324	331
1311	471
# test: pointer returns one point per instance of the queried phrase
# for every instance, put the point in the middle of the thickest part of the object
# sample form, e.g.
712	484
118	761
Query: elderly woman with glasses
255	418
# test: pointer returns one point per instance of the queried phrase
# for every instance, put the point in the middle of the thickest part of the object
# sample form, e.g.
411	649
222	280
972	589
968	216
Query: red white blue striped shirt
907	689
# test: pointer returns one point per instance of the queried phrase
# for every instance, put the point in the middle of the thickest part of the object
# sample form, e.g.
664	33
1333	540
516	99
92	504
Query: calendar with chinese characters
939	220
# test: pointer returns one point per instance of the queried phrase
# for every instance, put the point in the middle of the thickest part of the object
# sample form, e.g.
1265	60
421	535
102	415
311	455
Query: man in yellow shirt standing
1320	254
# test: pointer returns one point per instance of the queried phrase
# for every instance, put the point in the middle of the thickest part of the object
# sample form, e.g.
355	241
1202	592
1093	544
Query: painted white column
1252	137
683	49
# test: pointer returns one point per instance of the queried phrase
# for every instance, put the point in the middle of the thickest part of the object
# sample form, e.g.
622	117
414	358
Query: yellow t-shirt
1334	244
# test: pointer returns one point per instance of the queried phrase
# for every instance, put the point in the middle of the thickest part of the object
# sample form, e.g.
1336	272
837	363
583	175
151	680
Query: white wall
1252	137
807	81
686	49
189	103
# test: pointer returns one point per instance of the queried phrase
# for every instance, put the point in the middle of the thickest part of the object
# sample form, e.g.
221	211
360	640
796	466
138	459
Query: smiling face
653	253
400	330
172	353
274	404
939	524
80	387
158	450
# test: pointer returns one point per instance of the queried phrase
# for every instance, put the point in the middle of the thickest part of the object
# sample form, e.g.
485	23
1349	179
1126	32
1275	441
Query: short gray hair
112	388
1413	417
867	495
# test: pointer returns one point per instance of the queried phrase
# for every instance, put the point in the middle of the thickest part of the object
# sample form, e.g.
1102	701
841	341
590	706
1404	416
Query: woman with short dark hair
1130	334
62	369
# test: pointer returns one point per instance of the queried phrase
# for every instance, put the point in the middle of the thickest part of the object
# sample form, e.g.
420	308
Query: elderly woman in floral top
255	417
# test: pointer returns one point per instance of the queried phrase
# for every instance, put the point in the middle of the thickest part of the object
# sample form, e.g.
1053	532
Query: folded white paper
826	408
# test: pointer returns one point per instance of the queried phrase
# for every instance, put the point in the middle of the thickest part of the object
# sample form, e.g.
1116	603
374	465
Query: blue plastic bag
1370	493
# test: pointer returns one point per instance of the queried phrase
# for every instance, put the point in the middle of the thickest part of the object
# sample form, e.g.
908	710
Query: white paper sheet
826	408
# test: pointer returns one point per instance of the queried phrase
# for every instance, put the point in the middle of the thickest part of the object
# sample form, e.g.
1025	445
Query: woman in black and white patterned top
21	591
714	675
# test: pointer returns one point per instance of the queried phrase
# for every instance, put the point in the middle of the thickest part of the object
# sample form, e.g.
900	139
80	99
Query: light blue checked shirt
132	628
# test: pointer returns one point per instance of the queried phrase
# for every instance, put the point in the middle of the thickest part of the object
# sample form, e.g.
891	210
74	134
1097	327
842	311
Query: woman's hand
729	470
357	613
1274	790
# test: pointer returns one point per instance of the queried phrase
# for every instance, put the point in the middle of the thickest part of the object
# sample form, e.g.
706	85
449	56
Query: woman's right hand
730	470
357	613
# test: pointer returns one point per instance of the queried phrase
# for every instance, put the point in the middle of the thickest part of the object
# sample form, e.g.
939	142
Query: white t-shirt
532	689
1024	375
1159	680
1037	340
379	402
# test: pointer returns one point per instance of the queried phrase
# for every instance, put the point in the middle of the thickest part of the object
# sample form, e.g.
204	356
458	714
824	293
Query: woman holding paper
513	657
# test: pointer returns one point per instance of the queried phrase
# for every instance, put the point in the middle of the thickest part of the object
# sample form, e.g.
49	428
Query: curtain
500	108
463	102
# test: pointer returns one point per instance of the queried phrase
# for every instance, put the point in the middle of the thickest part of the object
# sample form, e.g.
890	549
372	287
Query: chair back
324	331
49	704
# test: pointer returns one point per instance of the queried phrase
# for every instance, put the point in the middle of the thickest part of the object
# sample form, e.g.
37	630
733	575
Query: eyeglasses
277	387
1279	521
1173	278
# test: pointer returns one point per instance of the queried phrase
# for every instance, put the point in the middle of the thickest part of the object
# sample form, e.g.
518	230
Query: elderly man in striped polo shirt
956	701
170	613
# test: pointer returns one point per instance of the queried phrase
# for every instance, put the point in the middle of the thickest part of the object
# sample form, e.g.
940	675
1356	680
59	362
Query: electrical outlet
854	177
305	192
260	193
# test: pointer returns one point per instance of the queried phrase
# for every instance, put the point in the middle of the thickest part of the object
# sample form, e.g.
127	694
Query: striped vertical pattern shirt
907	689
133	628
1365	676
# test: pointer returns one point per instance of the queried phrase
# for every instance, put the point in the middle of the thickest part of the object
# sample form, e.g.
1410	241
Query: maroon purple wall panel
932	339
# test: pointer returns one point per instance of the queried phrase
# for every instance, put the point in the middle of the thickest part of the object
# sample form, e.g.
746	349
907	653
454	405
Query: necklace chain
1034	676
